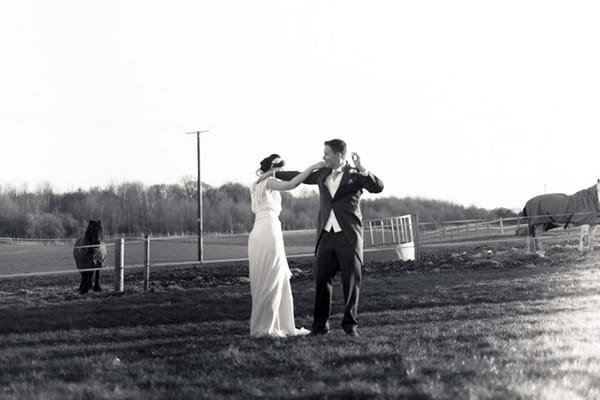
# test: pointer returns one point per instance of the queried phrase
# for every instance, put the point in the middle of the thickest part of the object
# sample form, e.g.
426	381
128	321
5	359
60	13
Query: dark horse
548	211
90	252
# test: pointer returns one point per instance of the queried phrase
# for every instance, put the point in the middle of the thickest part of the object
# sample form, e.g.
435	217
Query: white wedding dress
272	302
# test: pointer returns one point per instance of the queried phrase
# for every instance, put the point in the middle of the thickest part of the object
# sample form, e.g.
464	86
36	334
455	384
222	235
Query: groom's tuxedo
338	251
345	202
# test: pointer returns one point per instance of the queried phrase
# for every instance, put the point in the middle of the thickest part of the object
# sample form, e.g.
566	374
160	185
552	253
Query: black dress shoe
352	332
318	333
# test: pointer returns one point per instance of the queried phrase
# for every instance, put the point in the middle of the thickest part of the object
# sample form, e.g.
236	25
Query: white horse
548	211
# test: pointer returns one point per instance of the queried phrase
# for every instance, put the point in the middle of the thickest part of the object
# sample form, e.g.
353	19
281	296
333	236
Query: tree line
134	208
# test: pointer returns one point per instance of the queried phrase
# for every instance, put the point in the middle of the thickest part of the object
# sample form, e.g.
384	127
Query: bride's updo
273	161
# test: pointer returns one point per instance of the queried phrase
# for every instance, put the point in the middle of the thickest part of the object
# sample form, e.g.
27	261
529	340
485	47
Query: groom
339	232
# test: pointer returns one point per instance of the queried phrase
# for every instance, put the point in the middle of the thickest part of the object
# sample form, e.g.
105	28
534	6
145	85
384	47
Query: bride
272	303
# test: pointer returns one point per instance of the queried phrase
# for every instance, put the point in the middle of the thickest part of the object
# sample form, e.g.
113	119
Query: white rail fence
474	228
119	262
404	233
398	230
480	229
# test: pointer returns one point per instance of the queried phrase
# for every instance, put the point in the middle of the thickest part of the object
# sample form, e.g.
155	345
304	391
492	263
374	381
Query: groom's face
331	158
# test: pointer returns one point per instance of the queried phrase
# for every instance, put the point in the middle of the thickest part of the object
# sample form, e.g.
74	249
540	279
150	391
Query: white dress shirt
333	183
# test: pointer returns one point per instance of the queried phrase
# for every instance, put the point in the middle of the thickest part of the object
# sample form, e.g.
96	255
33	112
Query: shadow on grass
113	310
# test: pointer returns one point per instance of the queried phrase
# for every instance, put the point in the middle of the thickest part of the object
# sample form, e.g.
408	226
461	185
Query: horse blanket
553	210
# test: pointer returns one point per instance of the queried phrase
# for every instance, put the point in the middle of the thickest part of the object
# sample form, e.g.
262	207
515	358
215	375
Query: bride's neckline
264	176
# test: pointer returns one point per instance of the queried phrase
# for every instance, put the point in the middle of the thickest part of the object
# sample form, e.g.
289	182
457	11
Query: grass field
475	322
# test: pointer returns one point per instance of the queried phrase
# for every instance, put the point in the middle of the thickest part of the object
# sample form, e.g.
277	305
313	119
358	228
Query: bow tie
335	173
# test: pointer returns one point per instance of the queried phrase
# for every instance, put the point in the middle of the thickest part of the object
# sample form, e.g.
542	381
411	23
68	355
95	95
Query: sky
481	103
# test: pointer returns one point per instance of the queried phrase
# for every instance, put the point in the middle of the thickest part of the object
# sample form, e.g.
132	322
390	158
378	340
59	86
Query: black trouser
335	254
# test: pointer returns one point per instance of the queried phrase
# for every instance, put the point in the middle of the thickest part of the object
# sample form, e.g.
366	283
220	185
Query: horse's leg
97	287
585	231
82	283
591	236
537	244
88	283
84	287
532	243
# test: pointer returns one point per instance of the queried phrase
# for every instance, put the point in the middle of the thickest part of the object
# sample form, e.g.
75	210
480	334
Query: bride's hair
273	161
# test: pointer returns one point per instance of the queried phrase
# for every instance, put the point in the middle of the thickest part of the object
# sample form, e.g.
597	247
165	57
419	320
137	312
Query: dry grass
518	327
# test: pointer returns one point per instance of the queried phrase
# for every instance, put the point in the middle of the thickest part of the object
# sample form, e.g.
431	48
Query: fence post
371	233
382	232
146	262
416	235
120	265
501	226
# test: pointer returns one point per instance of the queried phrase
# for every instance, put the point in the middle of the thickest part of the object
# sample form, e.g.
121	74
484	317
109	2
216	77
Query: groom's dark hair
337	145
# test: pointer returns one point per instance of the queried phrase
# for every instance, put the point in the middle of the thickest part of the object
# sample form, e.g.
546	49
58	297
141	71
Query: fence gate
400	232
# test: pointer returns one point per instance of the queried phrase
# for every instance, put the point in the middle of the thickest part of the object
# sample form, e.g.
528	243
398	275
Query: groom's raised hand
357	163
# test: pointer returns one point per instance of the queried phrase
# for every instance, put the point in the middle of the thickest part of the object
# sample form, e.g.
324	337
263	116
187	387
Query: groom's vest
345	203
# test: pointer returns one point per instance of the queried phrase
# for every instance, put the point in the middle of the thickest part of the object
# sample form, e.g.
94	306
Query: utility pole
199	183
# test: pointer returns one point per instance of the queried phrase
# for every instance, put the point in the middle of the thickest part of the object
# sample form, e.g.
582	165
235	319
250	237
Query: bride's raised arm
274	184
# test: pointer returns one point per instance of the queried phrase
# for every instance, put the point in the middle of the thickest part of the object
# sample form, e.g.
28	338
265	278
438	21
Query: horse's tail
569	220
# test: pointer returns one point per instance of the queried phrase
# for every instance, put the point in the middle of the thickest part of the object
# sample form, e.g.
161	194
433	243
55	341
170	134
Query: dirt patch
56	288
